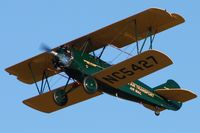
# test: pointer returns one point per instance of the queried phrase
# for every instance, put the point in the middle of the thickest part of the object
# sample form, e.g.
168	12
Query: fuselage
84	64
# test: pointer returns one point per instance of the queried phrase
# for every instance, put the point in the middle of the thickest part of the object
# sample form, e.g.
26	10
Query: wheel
90	84
157	113
60	97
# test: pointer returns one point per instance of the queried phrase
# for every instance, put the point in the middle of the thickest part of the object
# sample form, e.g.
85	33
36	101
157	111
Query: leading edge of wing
133	68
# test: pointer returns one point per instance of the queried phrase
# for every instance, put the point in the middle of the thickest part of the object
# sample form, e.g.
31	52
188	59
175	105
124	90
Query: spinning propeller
46	48
63	58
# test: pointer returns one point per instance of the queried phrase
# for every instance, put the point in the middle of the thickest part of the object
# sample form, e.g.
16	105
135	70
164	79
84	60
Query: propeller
62	57
45	47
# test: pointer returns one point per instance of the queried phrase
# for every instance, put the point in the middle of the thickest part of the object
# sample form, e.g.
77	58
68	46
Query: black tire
60	97
90	84
157	113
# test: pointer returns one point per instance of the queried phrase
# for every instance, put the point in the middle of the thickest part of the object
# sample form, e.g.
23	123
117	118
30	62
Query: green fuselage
84	64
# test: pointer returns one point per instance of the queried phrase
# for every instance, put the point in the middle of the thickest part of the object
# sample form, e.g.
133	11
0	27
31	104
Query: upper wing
123	33
119	34
45	102
133	68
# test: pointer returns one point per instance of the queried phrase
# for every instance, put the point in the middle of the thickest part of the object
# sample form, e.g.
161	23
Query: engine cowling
62	58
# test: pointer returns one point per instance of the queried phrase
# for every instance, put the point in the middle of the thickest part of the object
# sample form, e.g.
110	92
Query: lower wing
46	102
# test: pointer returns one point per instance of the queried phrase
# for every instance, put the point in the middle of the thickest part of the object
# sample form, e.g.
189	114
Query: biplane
77	61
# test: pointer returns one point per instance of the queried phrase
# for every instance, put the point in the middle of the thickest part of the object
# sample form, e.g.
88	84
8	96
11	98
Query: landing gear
157	112
90	84
60	97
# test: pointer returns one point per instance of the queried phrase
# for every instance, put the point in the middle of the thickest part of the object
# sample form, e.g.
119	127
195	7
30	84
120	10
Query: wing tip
178	18
31	105
166	57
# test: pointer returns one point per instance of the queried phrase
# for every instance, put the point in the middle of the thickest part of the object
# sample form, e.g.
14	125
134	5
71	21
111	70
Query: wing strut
67	82
149	34
152	36
136	36
33	76
102	52
92	45
151	39
44	82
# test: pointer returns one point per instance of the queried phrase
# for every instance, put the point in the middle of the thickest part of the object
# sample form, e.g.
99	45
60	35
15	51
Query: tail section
173	96
169	84
172	91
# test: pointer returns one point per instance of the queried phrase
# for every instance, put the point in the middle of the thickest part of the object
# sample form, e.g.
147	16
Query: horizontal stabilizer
176	94
45	102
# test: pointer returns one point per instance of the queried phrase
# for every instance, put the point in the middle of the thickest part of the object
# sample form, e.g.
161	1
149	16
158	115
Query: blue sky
24	25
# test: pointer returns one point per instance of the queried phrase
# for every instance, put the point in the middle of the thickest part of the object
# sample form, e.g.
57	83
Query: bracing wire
131	52
56	81
121	51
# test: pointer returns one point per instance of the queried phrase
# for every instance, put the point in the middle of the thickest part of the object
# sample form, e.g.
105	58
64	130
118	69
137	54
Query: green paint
90	65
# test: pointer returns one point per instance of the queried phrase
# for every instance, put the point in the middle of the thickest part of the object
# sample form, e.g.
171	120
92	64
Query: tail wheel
157	112
60	97
90	84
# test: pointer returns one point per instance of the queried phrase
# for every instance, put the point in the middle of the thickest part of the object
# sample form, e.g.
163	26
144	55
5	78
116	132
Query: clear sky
24	25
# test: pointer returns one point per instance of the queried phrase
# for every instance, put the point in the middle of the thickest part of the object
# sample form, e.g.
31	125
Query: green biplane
93	76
